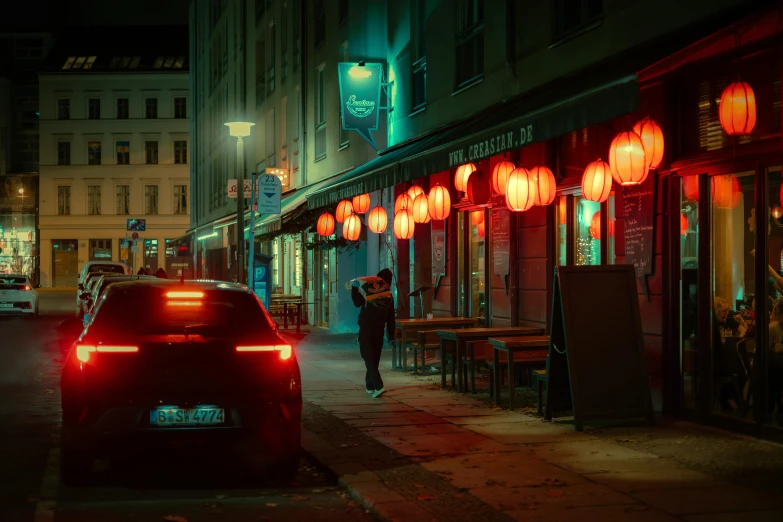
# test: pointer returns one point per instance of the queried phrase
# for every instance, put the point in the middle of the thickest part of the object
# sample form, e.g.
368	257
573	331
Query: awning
538	116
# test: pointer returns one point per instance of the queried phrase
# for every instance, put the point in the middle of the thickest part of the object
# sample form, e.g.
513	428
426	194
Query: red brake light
27	288
285	350
185	295
83	351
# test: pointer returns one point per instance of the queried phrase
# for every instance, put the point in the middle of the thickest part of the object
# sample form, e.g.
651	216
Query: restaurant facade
690	227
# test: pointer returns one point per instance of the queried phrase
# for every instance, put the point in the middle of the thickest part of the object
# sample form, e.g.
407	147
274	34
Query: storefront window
587	226
151	254
17	244
561	232
100	249
610	222
689	289
477	267
276	264
773	413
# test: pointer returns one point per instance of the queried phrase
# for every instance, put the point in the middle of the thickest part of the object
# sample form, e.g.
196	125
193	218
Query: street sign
232	188
137	225
135	236
270	192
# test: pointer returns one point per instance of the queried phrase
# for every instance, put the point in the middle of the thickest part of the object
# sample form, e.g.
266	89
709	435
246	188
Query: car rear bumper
19	310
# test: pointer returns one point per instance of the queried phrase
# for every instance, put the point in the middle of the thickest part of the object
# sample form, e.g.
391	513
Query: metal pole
240	210
251	265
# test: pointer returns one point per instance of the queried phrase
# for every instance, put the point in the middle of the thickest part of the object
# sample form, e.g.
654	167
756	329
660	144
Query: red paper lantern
500	175
480	229
776	210
478	188
415	191
377	220
545	185
628	159
520	190
403	201
403	224
737	109
421	209
477	217
690	187
595	225
652	138
597	181
361	203
726	191
683	224
325	225
344	209
352	227
462	175
439	202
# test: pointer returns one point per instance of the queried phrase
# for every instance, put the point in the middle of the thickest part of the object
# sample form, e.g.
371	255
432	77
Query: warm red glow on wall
462	175
683	224
500	175
403	224
690	187
377	220
325	225
439	202
480	229
421	209
597	181
737	109
414	191
545	185
726	191
627	159
595	225
479	190
344	209
477	216
361	203
652	138
352	228
520	190
403	201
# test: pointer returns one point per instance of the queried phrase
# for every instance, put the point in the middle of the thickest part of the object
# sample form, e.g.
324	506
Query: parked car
17	295
99	285
86	288
115	267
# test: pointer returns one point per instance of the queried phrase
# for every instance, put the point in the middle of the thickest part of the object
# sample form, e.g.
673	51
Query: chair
426	341
479	349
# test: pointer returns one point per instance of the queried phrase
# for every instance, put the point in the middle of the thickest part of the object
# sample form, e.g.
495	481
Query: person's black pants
371	346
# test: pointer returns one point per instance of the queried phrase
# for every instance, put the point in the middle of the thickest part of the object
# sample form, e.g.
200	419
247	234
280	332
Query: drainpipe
303	87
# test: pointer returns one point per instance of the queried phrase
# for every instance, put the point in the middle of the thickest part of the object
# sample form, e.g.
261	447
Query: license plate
186	416
6	305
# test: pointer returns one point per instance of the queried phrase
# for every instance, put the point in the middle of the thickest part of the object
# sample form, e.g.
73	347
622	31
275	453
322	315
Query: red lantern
777	211
403	201
726	191
377	219
325	225
480	229
628	159
652	138
477	217
595	225
478	188
520	190
415	191
683	224
597	182
361	203
352	227
421	209
344	209
690	187
737	109
545	185
500	175
403	224
462	175
439	202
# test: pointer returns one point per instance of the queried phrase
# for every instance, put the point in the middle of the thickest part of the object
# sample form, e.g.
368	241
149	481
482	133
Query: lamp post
240	129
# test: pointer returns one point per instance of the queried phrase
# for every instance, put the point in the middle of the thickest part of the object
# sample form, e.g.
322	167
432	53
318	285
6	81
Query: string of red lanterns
344	209
361	203
462	175
404	224
377	220
352	228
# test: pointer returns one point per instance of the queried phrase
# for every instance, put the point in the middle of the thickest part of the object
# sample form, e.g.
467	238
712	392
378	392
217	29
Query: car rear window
12	283
114	269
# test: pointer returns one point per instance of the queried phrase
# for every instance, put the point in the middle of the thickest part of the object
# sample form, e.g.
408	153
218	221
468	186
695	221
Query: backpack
374	290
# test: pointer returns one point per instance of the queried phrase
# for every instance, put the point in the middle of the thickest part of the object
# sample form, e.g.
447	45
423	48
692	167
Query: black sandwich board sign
596	365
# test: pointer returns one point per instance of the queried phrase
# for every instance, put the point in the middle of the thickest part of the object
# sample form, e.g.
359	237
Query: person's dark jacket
160	274
372	318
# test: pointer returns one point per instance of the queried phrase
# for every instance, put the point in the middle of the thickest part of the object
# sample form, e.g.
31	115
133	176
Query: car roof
12	275
106	262
202	284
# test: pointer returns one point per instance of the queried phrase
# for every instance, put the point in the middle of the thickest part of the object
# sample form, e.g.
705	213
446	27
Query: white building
114	146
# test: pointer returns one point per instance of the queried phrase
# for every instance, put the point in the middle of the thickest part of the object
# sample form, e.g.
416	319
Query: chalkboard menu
639	220
500	228
438	252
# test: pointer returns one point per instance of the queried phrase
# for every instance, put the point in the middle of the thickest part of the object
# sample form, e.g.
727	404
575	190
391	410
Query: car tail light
185	298
285	350
83	351
27	288
185	295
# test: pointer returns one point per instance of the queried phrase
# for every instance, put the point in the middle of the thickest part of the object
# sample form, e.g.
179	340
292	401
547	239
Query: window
271	145
180	108
344	135
123	200
297	42
419	76
342	13
320	23
180	152
271	57
283	40
419	87
470	42
151	108
572	15
94	200
298	264
64	109
561	232
297	121
100	249
64	201
587	240
94	108
123	108
123	152
150	199
63	152
180	199
320	108
93	152
151	152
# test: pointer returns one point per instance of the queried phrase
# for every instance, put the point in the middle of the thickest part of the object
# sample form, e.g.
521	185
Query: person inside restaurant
727	328
775	382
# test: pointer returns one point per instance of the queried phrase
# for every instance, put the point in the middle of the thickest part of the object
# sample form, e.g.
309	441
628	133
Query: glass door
477	266
689	290
770	356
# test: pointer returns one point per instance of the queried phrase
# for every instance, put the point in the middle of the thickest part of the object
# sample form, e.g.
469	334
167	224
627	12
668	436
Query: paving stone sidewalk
422	453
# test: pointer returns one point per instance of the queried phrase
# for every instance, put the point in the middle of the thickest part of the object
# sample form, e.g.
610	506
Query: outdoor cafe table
535	349
414	325
461	338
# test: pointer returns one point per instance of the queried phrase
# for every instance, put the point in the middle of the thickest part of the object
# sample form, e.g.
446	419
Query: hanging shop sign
439	253
360	97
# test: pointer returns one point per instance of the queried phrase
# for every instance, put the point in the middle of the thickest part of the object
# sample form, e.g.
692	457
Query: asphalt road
176	489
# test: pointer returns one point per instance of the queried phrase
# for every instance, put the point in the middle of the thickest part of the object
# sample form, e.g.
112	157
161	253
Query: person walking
160	274
373	317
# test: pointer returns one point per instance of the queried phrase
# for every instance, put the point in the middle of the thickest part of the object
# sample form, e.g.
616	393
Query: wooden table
461	337
535	349
412	325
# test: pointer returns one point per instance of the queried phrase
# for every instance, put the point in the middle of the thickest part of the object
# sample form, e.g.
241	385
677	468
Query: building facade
115	147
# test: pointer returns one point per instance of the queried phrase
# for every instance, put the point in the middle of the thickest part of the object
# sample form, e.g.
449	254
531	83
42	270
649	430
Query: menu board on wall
500	228
438	252
639	221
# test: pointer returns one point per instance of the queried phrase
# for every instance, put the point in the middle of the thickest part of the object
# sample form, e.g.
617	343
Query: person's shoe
378	393
369	391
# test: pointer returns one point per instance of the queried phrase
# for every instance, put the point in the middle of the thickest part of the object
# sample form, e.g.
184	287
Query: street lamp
240	129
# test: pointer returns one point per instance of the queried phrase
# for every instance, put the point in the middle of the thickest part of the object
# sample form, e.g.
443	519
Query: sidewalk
421	453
